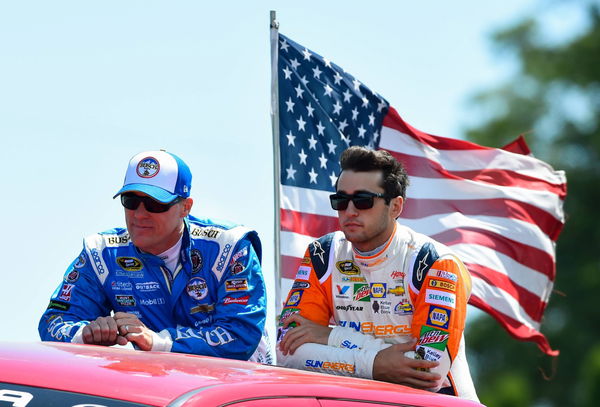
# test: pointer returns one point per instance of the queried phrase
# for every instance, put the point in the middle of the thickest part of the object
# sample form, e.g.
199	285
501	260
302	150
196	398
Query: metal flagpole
276	156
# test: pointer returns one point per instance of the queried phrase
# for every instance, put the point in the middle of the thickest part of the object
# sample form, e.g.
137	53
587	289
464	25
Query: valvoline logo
148	167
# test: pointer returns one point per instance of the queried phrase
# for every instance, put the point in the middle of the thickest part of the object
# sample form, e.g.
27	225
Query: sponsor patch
80	261
305	260
426	257
362	292
445	274
286	313
348	268
59	305
443	298
237	268
433	338
239	300
197	260
223	257
120	285
148	167
117	240
428	353
354	279
348	344
342	292
129	263
384	330
239	254
403	308
202	308
397	290
236	284
147	286
197	288
350	324
446	285
303	273
378	290
65	292
438	317
152	301
349	307
326	365
295	297
125	300
300	285
209	232
398	275
318	251
72	276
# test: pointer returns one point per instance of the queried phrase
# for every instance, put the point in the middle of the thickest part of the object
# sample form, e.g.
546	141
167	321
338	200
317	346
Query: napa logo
438	317
148	167
294	299
378	290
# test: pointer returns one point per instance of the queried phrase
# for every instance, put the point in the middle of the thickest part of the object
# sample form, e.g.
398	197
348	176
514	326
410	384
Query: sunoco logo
148	167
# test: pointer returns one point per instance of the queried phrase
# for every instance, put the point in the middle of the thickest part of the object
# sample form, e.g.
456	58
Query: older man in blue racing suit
170	281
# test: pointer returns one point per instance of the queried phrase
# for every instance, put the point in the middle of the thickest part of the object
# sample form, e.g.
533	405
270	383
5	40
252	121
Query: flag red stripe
530	302
289	266
528	256
307	224
515	328
394	121
426	168
505	208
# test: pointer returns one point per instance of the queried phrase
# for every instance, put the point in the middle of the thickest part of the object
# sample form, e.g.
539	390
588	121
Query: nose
351	209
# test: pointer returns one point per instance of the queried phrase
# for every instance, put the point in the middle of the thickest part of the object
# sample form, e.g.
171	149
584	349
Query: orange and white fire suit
413	287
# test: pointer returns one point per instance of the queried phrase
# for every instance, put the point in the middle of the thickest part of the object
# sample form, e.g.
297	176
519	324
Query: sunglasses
361	200
131	201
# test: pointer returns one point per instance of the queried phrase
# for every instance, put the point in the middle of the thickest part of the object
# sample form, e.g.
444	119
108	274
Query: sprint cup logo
148	167
129	263
348	268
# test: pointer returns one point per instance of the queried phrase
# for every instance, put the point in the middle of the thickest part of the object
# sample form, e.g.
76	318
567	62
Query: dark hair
361	159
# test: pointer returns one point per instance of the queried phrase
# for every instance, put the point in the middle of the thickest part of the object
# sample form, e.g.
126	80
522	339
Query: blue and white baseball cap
159	174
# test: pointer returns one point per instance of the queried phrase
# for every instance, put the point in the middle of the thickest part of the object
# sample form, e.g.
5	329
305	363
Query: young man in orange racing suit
396	298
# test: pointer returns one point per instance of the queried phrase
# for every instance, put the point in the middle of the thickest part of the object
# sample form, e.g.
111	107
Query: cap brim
154	192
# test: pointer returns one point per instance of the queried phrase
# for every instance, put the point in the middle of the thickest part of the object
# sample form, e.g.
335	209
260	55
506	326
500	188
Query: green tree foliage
554	100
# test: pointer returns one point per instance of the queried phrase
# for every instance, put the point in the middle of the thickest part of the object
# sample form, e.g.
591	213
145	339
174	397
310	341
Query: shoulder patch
425	259
319	254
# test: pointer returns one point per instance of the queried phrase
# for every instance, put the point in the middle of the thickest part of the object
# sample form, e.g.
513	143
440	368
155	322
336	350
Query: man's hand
134	330
305	331
103	331
390	365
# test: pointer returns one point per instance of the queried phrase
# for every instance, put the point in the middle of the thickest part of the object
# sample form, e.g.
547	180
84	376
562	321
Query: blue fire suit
213	304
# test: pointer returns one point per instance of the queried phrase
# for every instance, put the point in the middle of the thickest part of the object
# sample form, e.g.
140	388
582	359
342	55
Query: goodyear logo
348	268
129	263
439	317
446	285
378	290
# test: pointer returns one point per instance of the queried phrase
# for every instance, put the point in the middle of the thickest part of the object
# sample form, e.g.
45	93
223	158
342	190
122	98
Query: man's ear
396	206
186	207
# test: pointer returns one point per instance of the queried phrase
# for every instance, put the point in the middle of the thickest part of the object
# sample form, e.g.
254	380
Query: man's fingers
293	318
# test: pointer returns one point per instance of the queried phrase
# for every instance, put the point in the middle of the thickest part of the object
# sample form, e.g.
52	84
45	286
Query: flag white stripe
501	301
521	275
476	159
514	229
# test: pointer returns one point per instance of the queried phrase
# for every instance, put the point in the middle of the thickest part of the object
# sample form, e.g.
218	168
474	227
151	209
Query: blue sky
86	85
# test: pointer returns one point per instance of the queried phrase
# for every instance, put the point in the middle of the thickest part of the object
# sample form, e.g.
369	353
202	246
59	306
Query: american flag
500	210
